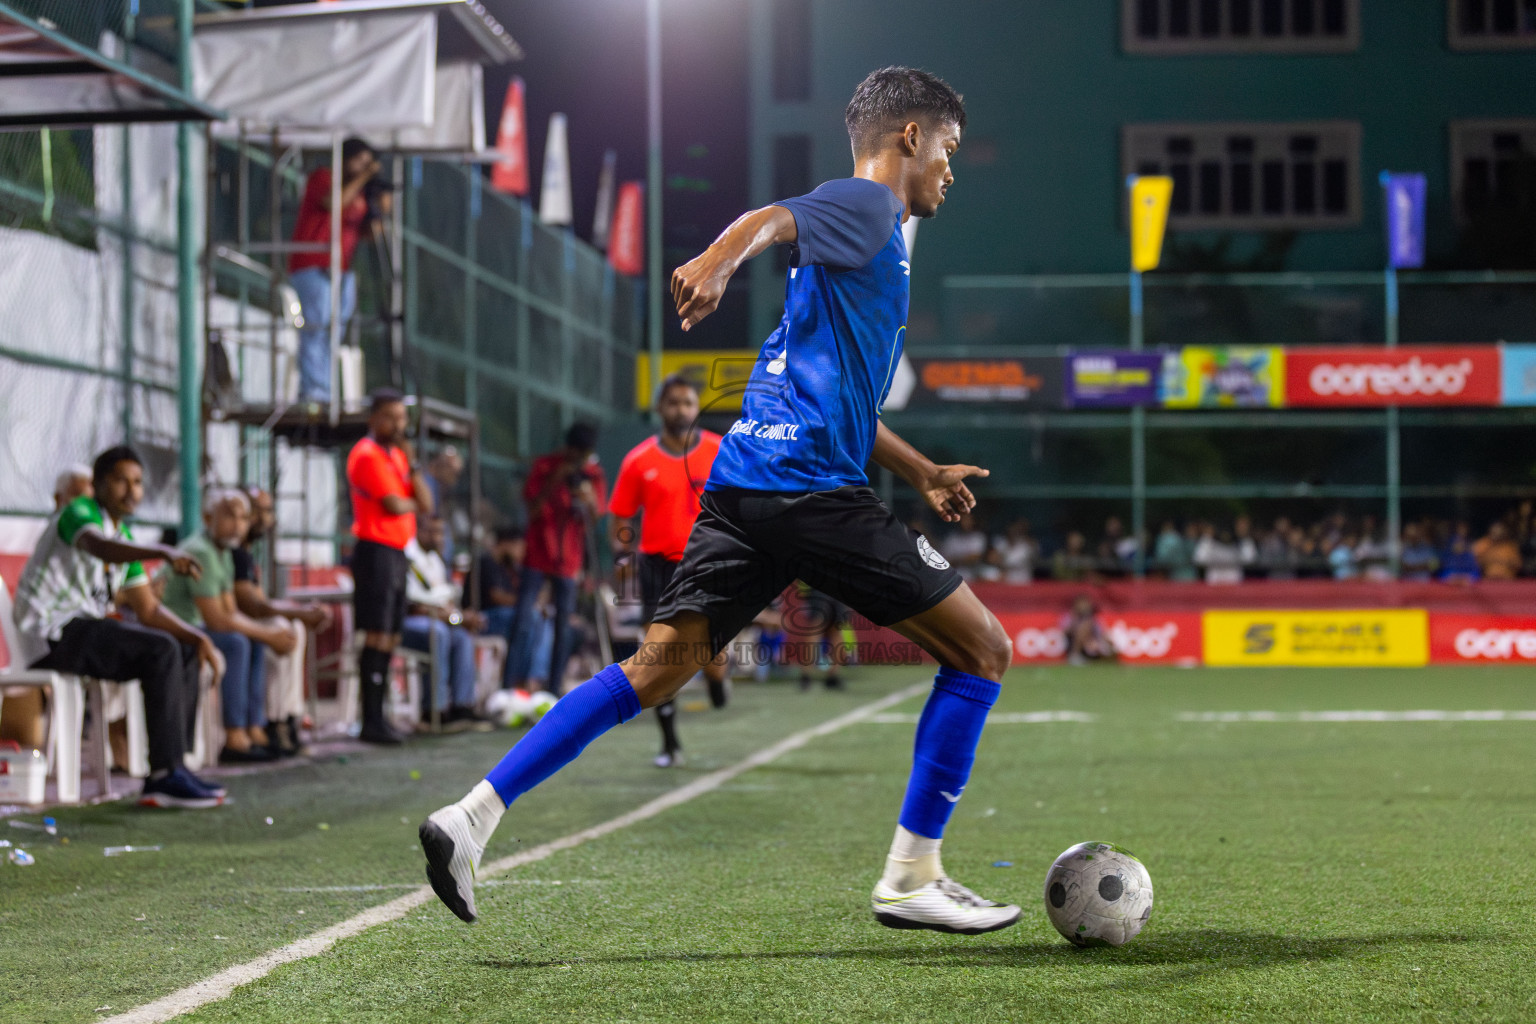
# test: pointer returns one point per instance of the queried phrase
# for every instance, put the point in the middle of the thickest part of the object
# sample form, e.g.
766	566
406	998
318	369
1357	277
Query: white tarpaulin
361	73
458	127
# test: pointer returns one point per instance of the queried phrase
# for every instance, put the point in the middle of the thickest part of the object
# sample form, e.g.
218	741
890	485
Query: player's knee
989	651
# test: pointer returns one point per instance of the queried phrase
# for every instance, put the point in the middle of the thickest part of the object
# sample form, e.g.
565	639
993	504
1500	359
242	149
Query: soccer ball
539	703
509	708
1097	894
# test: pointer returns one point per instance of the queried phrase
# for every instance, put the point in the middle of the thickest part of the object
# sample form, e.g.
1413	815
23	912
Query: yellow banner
720	375
1149	217
1394	637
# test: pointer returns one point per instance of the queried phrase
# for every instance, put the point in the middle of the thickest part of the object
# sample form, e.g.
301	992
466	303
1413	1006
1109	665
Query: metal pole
335	303
1138	440
189	391
656	293
1394	442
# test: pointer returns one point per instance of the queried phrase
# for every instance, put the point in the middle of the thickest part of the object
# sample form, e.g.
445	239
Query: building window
1493	168
1491	24
1240	26
791	50
1249	176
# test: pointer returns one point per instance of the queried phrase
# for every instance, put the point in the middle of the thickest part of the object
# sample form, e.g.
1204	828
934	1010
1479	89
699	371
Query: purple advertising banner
1104	380
1405	219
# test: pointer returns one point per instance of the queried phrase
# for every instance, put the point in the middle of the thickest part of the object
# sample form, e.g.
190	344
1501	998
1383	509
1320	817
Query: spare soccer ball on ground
1097	894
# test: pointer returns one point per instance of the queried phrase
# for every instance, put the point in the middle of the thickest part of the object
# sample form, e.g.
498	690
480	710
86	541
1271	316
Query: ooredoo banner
1142	637
1415	375
1482	639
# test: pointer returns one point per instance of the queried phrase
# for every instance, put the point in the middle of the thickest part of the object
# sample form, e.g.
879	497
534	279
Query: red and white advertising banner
1414	375
509	174
1482	639
1141	637
626	241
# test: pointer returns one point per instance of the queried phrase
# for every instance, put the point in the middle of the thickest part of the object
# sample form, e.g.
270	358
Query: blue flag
1404	195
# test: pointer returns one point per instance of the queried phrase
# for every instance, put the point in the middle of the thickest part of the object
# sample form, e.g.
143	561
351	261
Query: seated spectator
1085	638
434	620
1373	552
285	672
1115	549
1014	554
1497	554
1458	564
443	472
1223	557
965	546
1174	554
209	601
1073	563
1419	560
74	482
1342	561
494	579
63	613
1277	555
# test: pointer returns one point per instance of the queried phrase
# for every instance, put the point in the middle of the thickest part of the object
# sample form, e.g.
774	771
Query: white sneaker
942	905
674	759
452	857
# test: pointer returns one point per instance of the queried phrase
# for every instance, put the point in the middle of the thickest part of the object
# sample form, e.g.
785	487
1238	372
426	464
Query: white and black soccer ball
1097	894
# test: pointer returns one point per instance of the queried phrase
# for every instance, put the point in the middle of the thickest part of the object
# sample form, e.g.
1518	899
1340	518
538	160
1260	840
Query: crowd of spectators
1337	547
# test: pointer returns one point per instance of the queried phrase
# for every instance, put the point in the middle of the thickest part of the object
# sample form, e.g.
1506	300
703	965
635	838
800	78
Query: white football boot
452	857
943	905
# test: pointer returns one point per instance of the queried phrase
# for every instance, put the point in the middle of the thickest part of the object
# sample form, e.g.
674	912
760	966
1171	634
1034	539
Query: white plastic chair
68	714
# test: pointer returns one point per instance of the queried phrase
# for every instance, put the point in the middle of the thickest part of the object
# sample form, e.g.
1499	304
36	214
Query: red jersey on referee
666	488
373	473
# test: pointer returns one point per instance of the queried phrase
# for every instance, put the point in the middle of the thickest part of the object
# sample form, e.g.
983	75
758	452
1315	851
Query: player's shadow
1196	951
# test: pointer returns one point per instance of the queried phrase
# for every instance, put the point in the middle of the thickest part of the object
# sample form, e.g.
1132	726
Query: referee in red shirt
661	480
388	491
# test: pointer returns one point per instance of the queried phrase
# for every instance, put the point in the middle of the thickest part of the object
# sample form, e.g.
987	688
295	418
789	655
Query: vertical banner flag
555	187
626	240
1150	197
602	216
1405	219
509	175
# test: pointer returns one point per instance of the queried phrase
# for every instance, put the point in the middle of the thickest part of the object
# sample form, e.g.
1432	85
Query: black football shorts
378	587
747	546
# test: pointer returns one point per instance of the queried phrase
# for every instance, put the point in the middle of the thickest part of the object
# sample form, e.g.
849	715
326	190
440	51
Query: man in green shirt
85	565
209	601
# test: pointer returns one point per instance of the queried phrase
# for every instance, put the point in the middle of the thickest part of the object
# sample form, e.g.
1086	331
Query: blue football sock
578	718
947	733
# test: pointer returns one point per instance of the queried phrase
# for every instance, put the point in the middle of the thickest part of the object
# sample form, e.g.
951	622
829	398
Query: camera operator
310	272
566	494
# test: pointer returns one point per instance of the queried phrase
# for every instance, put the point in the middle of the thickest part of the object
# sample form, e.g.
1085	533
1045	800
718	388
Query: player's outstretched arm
698	284
942	487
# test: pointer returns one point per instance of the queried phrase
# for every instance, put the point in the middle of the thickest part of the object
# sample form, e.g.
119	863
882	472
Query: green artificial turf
1303	871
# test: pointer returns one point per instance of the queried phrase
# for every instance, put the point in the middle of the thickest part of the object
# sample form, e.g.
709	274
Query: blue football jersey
812	405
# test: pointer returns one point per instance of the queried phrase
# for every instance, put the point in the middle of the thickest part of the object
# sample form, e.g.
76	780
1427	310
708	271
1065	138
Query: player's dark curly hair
890	97
107	461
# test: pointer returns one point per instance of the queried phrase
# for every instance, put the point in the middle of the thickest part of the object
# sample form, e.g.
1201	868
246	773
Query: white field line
997	718
224	983
1357	716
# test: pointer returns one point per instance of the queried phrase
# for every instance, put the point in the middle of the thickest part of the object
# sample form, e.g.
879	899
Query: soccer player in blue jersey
788	499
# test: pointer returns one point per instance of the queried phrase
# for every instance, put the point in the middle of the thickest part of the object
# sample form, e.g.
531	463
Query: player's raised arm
698	284
942	487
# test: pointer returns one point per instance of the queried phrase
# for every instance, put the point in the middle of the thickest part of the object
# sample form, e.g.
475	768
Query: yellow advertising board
1224	377
1330	638
1150	197
720	375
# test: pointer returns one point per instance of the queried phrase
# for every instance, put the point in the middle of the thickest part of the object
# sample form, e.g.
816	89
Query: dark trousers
167	671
